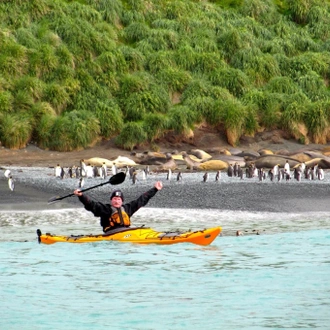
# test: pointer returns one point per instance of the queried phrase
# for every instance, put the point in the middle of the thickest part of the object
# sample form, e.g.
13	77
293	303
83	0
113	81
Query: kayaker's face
116	201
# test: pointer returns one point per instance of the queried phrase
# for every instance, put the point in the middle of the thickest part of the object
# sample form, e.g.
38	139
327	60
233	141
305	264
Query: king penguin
205	176
218	176
11	183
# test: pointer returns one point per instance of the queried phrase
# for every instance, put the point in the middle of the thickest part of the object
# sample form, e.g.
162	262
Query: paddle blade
117	178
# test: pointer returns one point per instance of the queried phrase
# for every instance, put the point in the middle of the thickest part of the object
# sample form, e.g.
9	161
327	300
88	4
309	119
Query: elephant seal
119	161
248	154
200	154
235	151
97	161
231	159
325	164
314	154
153	159
301	157
269	161
264	152
191	164
170	164
213	165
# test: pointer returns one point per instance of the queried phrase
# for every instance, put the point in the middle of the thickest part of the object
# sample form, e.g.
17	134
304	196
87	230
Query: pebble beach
34	186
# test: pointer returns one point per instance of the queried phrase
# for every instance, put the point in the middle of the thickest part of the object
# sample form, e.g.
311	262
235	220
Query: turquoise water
278	279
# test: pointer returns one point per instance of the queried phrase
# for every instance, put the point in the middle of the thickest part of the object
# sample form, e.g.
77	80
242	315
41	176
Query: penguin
320	173
287	175
58	171
131	172
205	176
218	176
114	169
179	176
11	183
230	170
78	172
134	178
144	176
169	174
235	169
271	175
297	173
255	172
70	173
309	173
81	182
276	170
95	171
248	172
89	171
126	171
147	170
287	166
7	173
251	171
83	168
239	172
314	170
62	173
104	170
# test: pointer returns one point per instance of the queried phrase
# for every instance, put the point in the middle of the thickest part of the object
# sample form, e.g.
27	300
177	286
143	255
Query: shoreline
34	172
232	194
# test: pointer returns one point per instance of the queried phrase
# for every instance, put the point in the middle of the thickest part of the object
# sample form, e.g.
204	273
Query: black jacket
104	211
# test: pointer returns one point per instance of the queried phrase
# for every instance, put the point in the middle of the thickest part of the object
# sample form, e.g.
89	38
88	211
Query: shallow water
278	279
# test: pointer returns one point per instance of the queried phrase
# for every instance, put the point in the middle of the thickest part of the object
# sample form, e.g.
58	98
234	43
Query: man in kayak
116	214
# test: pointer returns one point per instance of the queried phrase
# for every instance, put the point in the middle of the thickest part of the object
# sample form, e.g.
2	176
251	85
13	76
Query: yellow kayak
140	235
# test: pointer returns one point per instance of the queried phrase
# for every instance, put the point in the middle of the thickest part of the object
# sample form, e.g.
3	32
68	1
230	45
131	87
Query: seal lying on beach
269	161
170	164
200	154
213	165
191	164
231	159
119	161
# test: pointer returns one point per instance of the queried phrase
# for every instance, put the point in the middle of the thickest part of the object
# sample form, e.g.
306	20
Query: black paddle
115	179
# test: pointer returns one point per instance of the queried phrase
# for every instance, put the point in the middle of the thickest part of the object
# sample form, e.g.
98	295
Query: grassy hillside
72	72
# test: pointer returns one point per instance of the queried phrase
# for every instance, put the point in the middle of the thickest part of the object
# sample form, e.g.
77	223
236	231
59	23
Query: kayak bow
140	235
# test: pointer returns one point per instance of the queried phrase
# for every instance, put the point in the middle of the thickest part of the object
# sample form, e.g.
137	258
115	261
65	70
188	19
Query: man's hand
158	185
77	192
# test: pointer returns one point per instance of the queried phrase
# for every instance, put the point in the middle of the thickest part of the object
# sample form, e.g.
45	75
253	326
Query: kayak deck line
140	235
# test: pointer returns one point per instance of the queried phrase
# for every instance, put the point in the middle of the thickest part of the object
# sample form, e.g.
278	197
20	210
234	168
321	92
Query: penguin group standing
11	183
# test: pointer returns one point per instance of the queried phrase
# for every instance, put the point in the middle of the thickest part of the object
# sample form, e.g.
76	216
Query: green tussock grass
136	70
